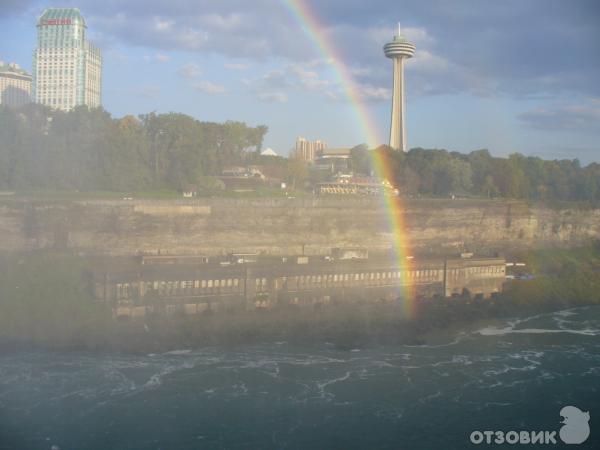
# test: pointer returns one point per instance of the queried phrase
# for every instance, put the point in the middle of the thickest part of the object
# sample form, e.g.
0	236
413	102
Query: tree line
442	173
87	149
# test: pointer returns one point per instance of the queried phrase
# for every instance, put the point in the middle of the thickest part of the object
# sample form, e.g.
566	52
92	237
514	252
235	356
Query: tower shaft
397	127
398	50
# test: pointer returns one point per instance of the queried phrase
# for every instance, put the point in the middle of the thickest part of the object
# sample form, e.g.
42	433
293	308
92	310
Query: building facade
67	69
190	287
308	150
15	85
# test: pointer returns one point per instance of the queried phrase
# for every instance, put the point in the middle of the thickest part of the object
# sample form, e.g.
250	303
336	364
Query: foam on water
492	331
558	319
294	394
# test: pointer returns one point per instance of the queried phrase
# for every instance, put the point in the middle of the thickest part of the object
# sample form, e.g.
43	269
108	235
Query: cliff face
216	226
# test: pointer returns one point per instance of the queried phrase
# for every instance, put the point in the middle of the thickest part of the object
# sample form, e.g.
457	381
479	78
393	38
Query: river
502	375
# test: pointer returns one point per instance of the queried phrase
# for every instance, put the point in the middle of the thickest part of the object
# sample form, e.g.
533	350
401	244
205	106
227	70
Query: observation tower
398	50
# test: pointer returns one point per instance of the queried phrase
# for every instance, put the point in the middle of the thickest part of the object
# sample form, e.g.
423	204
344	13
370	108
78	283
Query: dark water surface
515	375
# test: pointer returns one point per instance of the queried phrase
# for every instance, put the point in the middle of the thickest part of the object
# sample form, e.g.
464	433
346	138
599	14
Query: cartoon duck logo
575	428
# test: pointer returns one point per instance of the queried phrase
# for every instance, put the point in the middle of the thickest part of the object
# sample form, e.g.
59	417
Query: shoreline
44	304
423	331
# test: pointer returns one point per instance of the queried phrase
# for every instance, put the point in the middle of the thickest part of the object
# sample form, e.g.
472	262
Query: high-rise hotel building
15	85
67	69
308	150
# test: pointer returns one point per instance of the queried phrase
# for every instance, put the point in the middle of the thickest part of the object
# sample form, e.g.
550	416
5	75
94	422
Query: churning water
514	375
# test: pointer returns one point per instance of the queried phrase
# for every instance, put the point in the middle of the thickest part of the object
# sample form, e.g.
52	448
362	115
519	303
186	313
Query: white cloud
364	91
305	77
163	25
157	57
222	22
424	61
189	70
418	36
291	77
494	42
368	92
272	97
583	116
208	88
308	79
236	66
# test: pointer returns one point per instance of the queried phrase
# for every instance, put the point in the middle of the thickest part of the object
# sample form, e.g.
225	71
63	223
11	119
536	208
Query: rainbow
309	22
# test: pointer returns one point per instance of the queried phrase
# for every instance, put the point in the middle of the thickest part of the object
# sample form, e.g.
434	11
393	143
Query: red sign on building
56	22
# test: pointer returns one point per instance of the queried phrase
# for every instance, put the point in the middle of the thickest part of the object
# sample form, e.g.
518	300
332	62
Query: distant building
67	69
191	190
15	85
242	178
351	185
268	152
308	150
335	160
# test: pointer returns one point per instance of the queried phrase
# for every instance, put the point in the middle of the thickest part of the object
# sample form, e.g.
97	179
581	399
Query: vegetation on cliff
88	150
45	301
440	173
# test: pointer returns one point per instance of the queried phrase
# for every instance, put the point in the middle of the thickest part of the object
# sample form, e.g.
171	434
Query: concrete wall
281	226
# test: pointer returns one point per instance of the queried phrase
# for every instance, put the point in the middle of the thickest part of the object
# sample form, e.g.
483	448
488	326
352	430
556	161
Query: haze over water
514	375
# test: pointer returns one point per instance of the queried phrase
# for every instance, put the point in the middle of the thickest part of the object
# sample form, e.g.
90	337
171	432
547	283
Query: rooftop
72	14
12	68
399	38
336	151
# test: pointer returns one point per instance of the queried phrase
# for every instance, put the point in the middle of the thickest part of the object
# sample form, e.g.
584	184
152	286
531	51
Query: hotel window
210	283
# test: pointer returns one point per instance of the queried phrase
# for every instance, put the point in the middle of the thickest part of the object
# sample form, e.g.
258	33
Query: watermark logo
575	430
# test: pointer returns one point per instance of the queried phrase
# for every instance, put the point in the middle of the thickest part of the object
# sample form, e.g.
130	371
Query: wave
179	352
493	331
566	320
457	340
565	313
322	385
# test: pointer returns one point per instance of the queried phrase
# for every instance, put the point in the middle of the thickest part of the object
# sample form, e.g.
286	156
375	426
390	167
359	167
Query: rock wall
285	226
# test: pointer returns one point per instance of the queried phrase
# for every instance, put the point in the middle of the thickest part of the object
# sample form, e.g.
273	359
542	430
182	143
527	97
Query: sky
510	76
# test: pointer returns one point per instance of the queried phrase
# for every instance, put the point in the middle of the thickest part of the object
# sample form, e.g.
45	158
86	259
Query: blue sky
508	76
